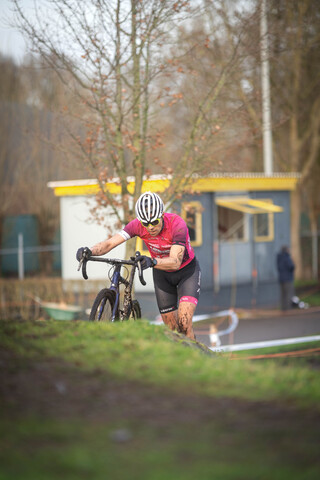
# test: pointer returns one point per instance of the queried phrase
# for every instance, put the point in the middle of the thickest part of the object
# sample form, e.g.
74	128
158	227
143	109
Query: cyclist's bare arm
106	245
173	262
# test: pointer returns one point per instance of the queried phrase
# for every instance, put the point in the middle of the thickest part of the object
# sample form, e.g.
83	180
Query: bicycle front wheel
102	307
135	312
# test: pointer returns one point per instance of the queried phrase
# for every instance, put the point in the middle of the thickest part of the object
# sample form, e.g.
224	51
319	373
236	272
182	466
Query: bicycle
106	306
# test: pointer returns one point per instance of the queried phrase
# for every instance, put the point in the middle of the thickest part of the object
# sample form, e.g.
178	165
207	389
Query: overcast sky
11	41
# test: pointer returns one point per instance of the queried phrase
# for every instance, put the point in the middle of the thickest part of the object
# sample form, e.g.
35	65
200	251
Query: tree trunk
295	231
314	242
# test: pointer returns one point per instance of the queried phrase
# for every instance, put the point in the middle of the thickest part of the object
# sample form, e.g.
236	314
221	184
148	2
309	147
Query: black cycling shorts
178	286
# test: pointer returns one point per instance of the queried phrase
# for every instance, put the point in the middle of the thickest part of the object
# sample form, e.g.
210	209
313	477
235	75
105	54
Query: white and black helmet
149	207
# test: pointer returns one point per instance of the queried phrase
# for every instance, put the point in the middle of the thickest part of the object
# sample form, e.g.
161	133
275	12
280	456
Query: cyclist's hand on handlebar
83	252
146	262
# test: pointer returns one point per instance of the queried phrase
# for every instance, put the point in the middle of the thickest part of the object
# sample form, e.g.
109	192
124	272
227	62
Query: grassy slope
138	405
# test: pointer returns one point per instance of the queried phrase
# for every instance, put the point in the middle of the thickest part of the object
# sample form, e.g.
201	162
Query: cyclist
176	271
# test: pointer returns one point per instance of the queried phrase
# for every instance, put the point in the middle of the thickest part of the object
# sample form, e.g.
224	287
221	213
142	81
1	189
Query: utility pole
265	84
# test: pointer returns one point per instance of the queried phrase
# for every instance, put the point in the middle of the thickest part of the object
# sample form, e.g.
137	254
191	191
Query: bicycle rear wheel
102	307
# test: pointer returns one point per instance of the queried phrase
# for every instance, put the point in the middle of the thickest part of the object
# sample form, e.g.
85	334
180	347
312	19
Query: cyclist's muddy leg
170	319
185	315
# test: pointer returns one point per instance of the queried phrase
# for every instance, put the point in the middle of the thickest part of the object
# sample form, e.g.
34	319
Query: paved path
261	323
256	326
243	296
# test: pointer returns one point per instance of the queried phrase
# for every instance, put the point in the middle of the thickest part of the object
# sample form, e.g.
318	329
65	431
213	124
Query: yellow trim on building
244	183
208	184
248	205
264	238
75	190
265	205
112	187
197	242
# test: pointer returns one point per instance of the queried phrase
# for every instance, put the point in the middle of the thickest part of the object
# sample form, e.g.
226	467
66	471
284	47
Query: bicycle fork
114	287
115	280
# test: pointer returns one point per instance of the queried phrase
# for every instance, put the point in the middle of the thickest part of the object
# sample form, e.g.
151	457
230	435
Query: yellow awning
249	205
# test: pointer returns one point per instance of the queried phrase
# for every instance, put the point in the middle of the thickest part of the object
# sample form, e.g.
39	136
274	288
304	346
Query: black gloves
146	262
83	252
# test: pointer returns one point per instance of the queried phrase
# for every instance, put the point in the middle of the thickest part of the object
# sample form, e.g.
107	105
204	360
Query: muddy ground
52	388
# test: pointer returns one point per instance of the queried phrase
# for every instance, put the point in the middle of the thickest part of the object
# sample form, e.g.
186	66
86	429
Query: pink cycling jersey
174	232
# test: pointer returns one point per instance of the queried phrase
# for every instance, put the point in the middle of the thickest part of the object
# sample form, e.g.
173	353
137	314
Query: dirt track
52	388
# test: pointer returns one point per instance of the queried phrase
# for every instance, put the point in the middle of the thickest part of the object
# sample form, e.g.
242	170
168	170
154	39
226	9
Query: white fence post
20	257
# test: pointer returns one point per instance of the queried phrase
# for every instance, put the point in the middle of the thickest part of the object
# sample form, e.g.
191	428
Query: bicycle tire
103	306
135	313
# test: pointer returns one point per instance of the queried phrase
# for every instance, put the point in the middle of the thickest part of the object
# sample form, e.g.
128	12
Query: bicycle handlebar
112	261
140	271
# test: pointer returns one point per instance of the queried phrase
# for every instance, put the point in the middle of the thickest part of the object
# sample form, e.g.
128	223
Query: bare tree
111	50
295	39
313	206
295	93
213	116
127	64
10	91
27	162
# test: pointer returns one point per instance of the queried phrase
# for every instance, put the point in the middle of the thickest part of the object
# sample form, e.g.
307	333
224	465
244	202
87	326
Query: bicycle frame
116	281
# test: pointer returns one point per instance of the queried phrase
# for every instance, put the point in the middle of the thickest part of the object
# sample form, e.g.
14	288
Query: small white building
237	224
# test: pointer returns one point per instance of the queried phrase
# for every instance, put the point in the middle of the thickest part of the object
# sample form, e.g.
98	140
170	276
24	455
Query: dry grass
18	298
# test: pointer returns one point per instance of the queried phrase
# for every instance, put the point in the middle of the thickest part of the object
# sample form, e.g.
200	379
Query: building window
232	225
263	227
191	212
